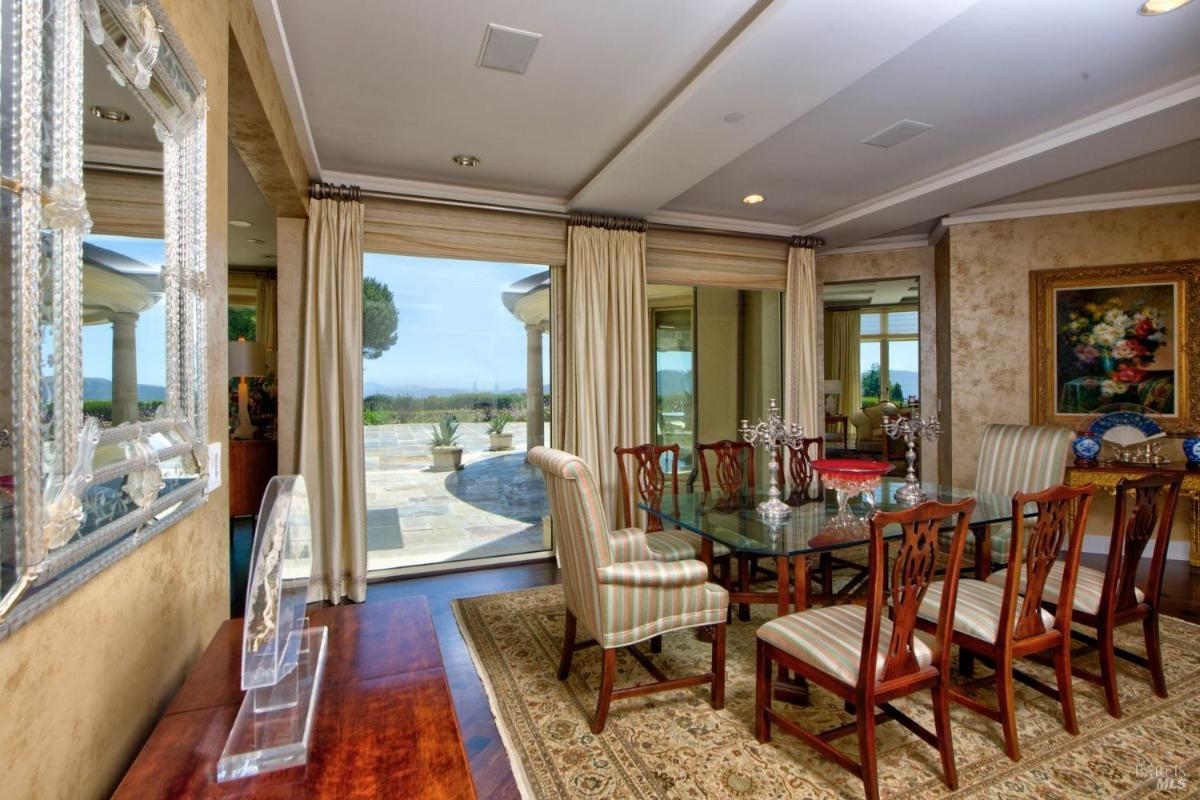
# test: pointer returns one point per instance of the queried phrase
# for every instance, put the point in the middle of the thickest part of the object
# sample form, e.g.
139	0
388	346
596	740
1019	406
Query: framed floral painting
1106	336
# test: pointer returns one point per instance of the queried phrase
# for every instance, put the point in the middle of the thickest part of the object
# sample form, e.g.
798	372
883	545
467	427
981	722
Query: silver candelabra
772	433
912	428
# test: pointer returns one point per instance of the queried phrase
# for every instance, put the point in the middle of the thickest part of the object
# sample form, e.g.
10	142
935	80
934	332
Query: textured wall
914	261
989	300
85	682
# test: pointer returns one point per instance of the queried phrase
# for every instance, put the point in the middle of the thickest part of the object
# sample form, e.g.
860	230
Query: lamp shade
247	359
833	386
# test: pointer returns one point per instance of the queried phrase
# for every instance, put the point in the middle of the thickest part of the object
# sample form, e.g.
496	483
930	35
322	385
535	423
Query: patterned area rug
674	745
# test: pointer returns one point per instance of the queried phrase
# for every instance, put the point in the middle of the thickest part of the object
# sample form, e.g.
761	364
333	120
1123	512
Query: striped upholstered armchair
616	589
1017	458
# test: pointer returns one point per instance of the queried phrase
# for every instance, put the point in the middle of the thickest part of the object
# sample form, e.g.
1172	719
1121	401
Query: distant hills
101	389
412	390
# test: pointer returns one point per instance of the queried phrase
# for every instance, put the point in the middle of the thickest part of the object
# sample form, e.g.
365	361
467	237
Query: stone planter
446	459
501	441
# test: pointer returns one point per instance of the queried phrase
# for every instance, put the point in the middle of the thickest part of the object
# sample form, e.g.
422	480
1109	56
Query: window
889	355
458	351
674	383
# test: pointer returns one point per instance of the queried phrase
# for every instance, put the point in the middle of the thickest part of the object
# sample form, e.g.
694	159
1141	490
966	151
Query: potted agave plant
500	439
447	455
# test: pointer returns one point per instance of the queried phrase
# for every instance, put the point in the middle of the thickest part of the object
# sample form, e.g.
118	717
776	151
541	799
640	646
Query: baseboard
1177	550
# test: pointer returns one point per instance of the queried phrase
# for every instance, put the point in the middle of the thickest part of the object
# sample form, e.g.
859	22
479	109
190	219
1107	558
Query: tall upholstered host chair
866	658
1145	509
618	592
996	622
1012	459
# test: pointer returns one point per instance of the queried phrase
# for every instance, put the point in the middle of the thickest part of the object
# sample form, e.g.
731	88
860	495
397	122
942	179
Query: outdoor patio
492	506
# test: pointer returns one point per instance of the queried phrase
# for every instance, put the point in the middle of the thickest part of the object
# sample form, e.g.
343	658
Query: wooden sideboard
1106	475
385	723
252	464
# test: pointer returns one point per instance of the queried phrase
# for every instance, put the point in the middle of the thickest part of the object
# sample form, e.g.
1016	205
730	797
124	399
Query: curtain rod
809	241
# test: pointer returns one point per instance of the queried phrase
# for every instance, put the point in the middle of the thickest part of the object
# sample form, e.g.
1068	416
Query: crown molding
906	242
271	24
108	155
730	224
1189	193
1175	94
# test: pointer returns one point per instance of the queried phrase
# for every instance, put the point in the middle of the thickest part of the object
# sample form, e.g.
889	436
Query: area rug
674	745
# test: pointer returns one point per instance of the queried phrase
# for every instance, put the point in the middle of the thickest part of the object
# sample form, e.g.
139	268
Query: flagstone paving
492	506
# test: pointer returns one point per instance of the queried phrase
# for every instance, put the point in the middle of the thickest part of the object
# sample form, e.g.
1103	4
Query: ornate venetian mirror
102	273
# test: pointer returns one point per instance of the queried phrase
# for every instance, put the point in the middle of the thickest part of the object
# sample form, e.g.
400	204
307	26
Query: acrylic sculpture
282	658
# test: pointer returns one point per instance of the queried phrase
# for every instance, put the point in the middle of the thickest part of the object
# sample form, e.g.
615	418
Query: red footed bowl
851	467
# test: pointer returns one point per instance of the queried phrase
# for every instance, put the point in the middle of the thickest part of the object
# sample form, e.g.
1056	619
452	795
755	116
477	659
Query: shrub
498	422
445	433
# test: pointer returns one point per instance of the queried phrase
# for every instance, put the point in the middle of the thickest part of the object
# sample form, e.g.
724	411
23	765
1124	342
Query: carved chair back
1062	514
912	572
641	472
733	466
1145	510
796	464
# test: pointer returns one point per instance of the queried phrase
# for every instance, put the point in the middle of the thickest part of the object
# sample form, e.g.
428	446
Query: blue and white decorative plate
1130	419
1191	449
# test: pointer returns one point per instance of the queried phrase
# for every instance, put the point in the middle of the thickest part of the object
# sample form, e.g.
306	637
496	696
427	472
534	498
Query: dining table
812	528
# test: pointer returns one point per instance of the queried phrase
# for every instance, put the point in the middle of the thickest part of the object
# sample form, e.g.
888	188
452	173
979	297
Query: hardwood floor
489	761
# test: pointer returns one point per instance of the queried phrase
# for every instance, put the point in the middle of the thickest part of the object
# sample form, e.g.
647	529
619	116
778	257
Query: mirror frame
49	225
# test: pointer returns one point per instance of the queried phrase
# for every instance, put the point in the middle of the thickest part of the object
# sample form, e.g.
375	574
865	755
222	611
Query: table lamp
833	388
246	360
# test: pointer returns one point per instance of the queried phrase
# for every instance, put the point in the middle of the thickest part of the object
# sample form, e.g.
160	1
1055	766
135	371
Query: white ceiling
622	108
247	203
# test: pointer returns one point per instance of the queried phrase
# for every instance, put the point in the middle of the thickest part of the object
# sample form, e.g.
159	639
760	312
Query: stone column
124	368
534	396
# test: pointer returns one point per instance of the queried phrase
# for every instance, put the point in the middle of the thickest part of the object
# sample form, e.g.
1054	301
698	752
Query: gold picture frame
1126	333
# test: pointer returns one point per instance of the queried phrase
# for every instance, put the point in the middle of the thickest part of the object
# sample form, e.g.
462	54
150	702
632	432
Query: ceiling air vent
896	134
507	48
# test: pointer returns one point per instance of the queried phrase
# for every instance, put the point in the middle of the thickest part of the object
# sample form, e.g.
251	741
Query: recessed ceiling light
753	199
1152	8
734	116
110	114
465	160
256	241
239	223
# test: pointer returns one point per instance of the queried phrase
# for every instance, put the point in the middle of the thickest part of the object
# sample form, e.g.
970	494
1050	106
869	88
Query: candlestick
773	432
912	428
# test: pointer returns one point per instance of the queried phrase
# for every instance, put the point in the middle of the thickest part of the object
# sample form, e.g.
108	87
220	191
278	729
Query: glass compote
848	477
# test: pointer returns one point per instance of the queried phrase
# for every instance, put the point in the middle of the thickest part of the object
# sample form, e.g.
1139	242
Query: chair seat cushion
1000	535
679	546
831	638
1089	586
977	610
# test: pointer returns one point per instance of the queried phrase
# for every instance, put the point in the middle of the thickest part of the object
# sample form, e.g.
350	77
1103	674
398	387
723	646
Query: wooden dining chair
618	592
643	479
733	474
1108	599
867	659
795	469
997	623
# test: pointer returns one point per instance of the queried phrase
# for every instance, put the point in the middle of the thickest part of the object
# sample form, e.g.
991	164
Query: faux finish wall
84	683
914	261
988	300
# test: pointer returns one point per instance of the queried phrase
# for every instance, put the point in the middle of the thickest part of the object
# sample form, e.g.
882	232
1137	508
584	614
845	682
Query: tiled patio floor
492	506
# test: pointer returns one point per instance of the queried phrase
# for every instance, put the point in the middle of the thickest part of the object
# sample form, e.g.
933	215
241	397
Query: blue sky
151	326
454	331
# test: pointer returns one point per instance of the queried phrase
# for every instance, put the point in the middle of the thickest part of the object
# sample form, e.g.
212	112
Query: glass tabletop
734	522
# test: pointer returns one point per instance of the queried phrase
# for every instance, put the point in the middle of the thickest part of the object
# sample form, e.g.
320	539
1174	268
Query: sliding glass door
456	388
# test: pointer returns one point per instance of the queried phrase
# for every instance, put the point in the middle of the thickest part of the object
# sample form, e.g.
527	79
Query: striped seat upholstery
977	612
617	589
679	546
1088	586
831	639
1017	458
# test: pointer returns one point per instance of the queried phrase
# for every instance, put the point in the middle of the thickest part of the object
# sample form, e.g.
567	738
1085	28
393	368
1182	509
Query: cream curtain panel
802	398
841	345
606	343
264	314
331	443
